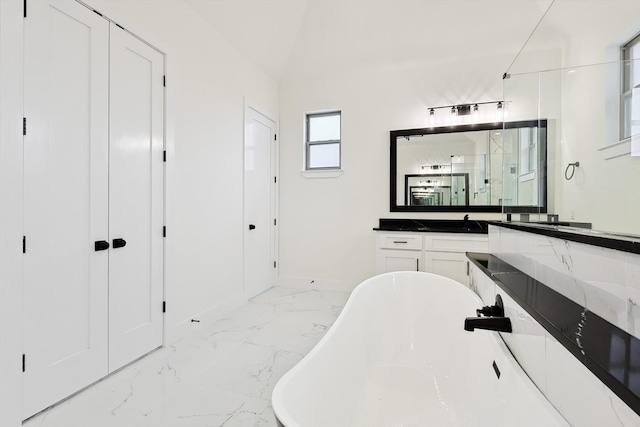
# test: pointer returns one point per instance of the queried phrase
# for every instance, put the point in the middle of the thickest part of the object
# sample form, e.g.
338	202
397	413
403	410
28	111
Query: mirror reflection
470	168
437	189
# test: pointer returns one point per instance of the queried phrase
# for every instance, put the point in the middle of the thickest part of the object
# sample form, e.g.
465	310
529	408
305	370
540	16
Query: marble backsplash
605	281
581	398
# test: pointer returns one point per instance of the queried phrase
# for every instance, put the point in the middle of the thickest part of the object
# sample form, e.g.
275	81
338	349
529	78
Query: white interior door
136	211
259	203
65	201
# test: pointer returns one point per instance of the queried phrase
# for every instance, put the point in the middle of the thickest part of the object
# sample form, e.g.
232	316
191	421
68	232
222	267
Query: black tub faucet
500	324
493	319
496	310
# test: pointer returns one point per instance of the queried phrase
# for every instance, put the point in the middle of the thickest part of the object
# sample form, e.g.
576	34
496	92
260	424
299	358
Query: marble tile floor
221	375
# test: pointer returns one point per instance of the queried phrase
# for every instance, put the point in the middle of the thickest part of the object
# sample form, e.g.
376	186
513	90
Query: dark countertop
607	351
434	225
569	230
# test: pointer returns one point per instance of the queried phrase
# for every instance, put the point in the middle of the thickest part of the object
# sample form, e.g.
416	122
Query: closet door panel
65	204
136	198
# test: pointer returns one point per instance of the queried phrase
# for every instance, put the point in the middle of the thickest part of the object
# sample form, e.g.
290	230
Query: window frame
625	80
308	143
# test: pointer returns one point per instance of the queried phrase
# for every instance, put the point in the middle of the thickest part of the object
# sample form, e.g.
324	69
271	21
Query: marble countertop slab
618	241
610	353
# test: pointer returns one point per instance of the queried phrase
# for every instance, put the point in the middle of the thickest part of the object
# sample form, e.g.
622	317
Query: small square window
323	140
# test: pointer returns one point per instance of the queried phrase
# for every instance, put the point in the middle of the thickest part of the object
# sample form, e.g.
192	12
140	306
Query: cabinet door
448	264
65	201
398	260
136	211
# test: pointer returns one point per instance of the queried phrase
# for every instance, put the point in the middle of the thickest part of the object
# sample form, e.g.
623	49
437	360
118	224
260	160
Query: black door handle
119	243
252	227
101	245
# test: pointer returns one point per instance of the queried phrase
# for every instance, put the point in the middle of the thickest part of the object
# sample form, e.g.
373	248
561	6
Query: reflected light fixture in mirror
499	112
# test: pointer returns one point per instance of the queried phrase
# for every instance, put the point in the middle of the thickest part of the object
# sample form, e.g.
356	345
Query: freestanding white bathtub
398	356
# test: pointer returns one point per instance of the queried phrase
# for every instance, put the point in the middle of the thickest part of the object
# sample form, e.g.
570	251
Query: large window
630	81
322	144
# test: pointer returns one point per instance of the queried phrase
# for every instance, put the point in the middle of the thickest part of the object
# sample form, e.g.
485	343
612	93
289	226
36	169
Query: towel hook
573	167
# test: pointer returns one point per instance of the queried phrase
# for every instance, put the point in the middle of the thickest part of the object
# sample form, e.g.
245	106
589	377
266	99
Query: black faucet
496	310
500	324
494	319
465	223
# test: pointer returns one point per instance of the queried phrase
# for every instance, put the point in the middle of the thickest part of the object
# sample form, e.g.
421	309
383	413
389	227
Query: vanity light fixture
464	110
467	113
434	167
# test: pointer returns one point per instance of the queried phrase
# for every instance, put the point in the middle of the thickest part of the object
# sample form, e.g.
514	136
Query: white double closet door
93	176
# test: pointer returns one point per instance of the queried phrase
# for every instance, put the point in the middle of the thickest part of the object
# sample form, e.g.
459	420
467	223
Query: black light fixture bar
465	109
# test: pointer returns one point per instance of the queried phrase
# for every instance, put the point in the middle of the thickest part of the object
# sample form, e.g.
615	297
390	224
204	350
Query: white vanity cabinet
399	252
440	253
444	253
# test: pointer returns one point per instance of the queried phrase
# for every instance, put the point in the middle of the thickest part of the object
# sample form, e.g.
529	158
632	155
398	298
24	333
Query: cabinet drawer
456	243
400	241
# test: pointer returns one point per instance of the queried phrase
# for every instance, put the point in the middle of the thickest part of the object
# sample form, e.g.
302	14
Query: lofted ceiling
290	39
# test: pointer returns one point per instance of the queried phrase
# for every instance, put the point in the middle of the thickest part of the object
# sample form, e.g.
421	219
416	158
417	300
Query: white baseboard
320	284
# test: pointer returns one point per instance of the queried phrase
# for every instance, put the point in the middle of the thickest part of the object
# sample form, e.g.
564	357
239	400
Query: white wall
326	224
603	191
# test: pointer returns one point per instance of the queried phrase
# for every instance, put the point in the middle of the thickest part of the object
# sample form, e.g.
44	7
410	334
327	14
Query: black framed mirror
488	167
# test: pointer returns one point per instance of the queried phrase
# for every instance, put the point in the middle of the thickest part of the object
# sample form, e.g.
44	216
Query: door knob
101	245
119	243
252	227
